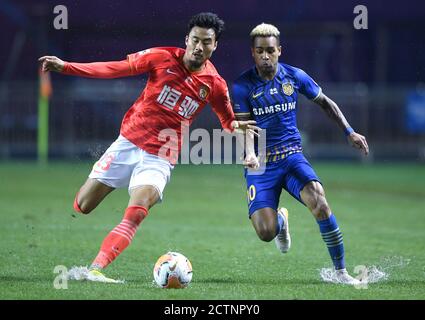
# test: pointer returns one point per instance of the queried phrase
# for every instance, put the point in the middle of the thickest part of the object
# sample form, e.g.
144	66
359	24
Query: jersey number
251	192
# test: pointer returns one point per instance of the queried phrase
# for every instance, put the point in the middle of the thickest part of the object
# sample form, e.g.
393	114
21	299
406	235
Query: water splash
78	273
82	273
369	274
391	262
362	273
96	151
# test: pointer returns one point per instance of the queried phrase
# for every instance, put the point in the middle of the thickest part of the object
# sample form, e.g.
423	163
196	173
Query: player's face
200	44
266	52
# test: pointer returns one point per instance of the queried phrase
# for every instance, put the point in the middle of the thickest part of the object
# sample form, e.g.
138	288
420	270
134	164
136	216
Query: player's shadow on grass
260	282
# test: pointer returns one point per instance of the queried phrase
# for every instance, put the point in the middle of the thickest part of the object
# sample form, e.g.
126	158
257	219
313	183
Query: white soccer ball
172	270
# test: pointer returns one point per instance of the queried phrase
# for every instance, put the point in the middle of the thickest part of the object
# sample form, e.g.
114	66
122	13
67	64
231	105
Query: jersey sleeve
103	70
308	86
220	103
143	61
240	94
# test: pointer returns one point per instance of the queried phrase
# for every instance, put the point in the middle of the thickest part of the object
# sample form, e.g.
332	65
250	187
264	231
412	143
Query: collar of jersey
280	74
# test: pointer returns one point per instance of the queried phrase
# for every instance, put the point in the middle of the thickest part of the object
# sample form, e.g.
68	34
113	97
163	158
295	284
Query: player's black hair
207	20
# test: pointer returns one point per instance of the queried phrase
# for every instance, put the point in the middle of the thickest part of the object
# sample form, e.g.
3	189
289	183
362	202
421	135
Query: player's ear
280	50
215	45
186	40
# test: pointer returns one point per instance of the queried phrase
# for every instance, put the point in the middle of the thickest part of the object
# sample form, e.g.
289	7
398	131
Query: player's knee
145	196
146	203
81	207
85	209
266	234
321	210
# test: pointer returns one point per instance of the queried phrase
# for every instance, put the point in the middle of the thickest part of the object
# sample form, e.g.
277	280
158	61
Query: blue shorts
291	173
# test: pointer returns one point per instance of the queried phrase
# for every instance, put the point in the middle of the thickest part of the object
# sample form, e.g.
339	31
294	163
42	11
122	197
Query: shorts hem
106	183
258	207
148	184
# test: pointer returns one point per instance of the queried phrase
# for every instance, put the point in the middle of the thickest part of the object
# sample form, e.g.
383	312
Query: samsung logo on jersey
284	107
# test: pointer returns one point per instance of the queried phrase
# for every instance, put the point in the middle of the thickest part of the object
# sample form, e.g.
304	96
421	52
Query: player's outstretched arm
332	110
104	70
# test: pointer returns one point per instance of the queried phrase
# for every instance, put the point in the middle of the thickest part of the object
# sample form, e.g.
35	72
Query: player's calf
120	237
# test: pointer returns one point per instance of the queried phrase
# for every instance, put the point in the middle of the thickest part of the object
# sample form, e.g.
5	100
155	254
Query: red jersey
173	96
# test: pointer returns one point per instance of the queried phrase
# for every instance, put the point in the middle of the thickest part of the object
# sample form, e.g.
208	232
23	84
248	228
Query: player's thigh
148	180
313	195
264	221
113	170
300	173
145	196
91	194
263	190
116	165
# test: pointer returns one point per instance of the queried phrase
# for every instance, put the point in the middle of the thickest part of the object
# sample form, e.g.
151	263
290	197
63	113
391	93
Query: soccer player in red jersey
181	82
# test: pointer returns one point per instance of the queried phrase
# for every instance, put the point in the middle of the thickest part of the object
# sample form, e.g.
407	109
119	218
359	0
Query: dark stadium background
375	75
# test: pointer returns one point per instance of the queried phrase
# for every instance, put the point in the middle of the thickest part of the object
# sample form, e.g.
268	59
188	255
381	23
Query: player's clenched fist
251	162
246	126
51	63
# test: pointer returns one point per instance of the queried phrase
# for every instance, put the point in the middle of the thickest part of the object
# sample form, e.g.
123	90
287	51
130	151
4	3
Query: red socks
120	237
76	206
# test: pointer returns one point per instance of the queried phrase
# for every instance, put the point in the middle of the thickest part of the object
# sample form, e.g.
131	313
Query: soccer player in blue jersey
268	93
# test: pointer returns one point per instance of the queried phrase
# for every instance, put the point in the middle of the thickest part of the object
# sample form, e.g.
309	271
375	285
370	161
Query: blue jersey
273	105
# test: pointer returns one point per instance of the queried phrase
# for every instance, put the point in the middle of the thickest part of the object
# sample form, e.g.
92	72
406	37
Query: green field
380	209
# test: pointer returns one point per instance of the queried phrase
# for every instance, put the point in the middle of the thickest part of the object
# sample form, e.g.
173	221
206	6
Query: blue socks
333	239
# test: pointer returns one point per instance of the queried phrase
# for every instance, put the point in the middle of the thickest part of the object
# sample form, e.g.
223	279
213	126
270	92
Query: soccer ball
172	270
